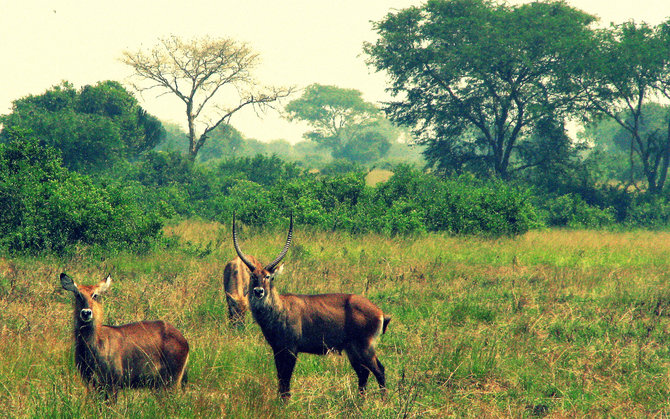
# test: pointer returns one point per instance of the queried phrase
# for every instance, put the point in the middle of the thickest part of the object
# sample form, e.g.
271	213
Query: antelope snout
259	292
86	315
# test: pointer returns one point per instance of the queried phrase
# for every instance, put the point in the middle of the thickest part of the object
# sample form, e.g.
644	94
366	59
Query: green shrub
649	213
571	210
252	203
402	217
339	167
162	168
260	169
263	192
45	207
460	205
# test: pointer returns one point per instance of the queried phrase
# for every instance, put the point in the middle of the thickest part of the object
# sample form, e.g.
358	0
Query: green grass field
553	323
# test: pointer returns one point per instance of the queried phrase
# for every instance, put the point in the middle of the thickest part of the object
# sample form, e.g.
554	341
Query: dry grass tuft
377	176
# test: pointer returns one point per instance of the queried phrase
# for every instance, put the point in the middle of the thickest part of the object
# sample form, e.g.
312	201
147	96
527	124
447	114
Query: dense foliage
263	191
46	207
93	127
473	78
344	123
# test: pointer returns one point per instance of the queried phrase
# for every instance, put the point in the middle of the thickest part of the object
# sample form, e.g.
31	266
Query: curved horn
246	261
275	262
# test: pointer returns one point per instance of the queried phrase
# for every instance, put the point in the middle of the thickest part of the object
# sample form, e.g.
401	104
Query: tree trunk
502	164
665	160
192	149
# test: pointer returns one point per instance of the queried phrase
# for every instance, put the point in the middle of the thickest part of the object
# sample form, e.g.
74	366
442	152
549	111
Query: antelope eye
96	297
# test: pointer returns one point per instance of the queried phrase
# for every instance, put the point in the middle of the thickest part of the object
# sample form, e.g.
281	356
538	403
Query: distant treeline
47	207
229	142
91	168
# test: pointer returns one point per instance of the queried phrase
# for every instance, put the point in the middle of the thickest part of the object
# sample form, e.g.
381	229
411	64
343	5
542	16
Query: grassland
377	176
553	323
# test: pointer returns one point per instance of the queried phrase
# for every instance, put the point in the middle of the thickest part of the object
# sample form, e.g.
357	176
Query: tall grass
555	322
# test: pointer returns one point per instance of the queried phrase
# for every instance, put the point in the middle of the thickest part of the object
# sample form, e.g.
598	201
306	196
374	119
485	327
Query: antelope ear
278	269
105	284
68	284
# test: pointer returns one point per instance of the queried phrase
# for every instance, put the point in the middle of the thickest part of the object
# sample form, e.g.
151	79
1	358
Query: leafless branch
197	71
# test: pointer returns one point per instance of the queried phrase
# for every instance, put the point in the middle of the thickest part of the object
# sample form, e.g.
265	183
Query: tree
616	147
225	141
629	70
554	162
343	122
222	142
195	72
92	127
473	77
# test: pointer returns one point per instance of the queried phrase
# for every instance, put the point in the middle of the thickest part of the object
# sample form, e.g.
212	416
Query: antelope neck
272	309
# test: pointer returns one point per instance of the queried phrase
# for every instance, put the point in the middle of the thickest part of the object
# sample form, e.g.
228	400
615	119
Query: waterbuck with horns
315	324
149	354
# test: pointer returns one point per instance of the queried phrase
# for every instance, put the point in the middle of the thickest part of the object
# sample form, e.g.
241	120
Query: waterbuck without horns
236	285
149	354
315	324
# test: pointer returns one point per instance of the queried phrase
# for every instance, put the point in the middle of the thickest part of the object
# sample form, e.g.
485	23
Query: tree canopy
198	72
473	77
343	122
615	148
92	127
627	70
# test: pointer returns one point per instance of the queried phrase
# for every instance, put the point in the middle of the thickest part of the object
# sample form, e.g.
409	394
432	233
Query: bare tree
197	70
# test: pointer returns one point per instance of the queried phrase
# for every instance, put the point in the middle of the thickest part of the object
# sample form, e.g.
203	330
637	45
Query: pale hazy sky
300	42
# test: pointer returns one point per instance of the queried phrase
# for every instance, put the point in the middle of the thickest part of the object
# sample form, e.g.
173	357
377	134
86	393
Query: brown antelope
149	354
315	324
236	284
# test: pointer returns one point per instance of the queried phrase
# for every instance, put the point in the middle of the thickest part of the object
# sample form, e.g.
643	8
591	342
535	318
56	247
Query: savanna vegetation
524	268
553	322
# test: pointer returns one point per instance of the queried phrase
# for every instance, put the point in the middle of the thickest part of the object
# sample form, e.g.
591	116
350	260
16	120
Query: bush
252	204
339	167
402	217
410	202
45	207
652	212
571	210
260	169
460	205
263	191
